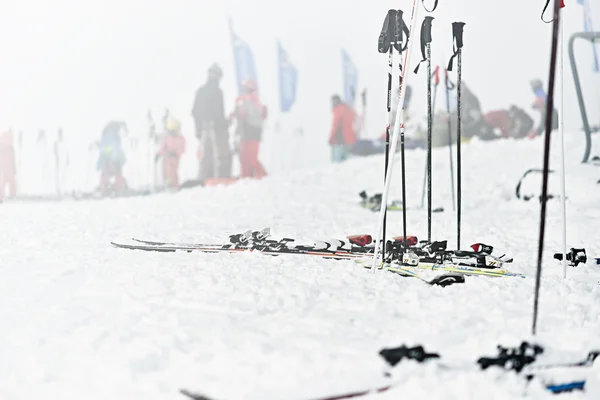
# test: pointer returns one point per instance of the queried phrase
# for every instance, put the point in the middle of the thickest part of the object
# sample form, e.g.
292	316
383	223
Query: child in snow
172	146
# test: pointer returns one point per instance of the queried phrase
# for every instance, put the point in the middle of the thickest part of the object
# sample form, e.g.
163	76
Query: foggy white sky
76	63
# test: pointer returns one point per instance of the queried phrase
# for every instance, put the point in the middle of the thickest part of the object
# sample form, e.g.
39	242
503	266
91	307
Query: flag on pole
350	76
288	79
243	59
587	26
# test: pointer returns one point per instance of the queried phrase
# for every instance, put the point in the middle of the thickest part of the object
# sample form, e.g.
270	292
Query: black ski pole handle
425	39
457	38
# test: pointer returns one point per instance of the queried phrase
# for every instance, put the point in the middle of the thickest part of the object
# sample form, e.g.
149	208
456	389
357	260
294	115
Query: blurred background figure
7	165
61	163
539	104
211	128
249	115
171	148
513	123
111	159
342	136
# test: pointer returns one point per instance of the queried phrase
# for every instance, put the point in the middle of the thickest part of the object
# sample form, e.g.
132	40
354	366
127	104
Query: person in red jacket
512	123
7	165
342	136
172	146
250	115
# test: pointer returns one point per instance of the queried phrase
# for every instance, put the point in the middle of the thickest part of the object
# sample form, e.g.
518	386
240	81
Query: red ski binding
360	240
410	240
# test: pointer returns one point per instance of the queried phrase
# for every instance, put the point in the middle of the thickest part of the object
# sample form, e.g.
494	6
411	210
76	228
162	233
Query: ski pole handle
425	39
457	32
457	39
387	35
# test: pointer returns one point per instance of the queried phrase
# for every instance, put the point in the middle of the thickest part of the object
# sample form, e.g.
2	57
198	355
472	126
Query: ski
447	268
518	359
229	248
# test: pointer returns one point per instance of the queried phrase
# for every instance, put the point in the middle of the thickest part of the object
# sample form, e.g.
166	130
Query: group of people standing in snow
215	153
513	122
212	129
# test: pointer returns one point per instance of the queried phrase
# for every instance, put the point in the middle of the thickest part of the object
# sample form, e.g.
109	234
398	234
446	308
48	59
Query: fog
75	64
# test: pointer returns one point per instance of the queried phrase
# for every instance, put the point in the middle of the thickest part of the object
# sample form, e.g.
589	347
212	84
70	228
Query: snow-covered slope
79	319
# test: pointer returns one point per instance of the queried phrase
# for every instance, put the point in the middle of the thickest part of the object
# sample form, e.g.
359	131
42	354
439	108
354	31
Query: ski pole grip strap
561	5
401	28
457	34
435	4
449	83
425	39
386	37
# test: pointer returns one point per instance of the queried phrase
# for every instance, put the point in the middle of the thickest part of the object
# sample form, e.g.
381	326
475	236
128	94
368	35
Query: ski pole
398	131
426	53
558	4
390	40
457	33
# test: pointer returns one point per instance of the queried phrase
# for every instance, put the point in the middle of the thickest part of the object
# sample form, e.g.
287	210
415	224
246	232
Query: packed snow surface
80	319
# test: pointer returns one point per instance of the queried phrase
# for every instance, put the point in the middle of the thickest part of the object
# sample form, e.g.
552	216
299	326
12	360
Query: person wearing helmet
172	146
249	115
112	158
212	128
7	165
342	136
539	105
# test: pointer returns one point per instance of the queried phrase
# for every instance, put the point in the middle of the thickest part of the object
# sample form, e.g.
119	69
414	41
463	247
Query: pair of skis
520	359
258	241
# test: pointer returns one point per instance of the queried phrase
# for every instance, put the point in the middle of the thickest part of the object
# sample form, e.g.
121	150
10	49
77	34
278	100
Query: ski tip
194	396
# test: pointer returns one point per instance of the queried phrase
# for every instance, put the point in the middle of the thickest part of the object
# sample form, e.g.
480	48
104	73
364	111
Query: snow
80	319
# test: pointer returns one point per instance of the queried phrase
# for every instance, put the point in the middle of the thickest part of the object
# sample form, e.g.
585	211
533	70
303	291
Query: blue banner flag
587	26
288	79
350	76
243	59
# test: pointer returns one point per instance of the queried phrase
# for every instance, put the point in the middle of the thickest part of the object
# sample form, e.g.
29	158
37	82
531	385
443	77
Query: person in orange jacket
342	136
250	115
172	146
7	165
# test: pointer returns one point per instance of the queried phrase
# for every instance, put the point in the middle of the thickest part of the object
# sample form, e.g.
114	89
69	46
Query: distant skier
7	165
249	115
539	105
61	163
172	146
342	136
112	158
211	128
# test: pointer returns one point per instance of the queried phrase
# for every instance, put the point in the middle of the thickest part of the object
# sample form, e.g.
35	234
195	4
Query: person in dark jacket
211	128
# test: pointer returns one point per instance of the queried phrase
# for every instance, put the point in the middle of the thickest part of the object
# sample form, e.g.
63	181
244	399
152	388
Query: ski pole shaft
429	139
458	152
387	139
549	115
450	142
